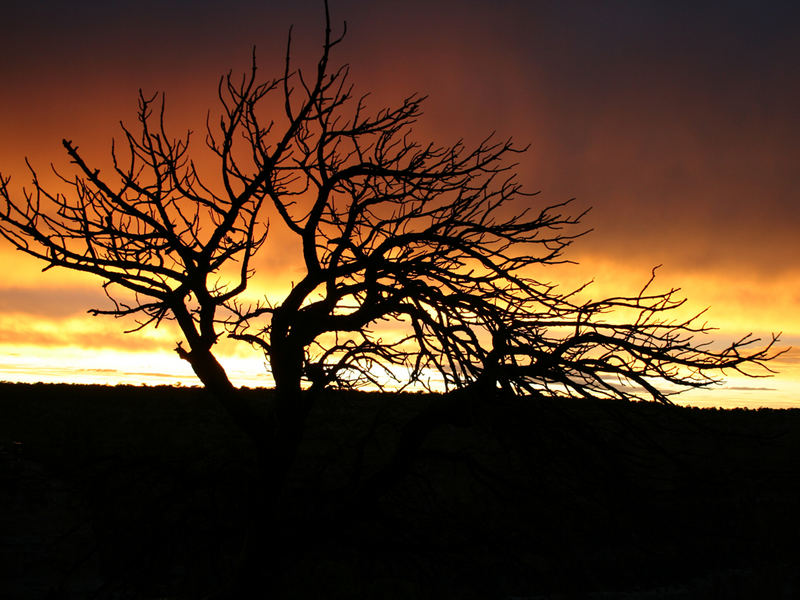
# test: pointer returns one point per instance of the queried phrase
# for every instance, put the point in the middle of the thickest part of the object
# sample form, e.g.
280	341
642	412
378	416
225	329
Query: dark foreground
117	493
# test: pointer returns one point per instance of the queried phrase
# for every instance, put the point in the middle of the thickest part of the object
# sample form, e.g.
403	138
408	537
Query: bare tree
391	231
419	269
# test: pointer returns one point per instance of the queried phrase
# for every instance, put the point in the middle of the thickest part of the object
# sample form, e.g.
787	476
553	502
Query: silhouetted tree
418	267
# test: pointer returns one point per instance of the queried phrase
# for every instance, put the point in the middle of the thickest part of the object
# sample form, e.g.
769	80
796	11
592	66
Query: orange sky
677	123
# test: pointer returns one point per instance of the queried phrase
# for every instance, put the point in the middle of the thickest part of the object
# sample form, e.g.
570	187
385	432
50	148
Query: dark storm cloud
677	121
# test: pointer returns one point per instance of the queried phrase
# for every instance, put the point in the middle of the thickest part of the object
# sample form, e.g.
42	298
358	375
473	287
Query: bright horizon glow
72	364
75	365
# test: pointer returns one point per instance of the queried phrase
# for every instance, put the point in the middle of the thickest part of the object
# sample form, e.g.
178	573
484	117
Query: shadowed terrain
131	492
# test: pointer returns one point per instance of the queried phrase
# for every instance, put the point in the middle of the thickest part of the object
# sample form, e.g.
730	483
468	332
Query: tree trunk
275	431
276	434
251	421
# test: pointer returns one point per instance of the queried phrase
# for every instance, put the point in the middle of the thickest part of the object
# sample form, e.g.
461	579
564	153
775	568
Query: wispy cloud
741	388
50	303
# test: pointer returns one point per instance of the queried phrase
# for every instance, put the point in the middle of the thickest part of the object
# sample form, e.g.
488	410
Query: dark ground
118	493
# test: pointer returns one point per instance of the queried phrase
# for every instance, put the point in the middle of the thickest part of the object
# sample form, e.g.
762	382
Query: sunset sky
677	122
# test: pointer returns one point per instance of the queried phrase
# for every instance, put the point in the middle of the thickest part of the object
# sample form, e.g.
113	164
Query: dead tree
419	266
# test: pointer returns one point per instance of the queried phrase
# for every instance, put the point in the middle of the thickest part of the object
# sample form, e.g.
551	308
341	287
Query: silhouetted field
131	492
